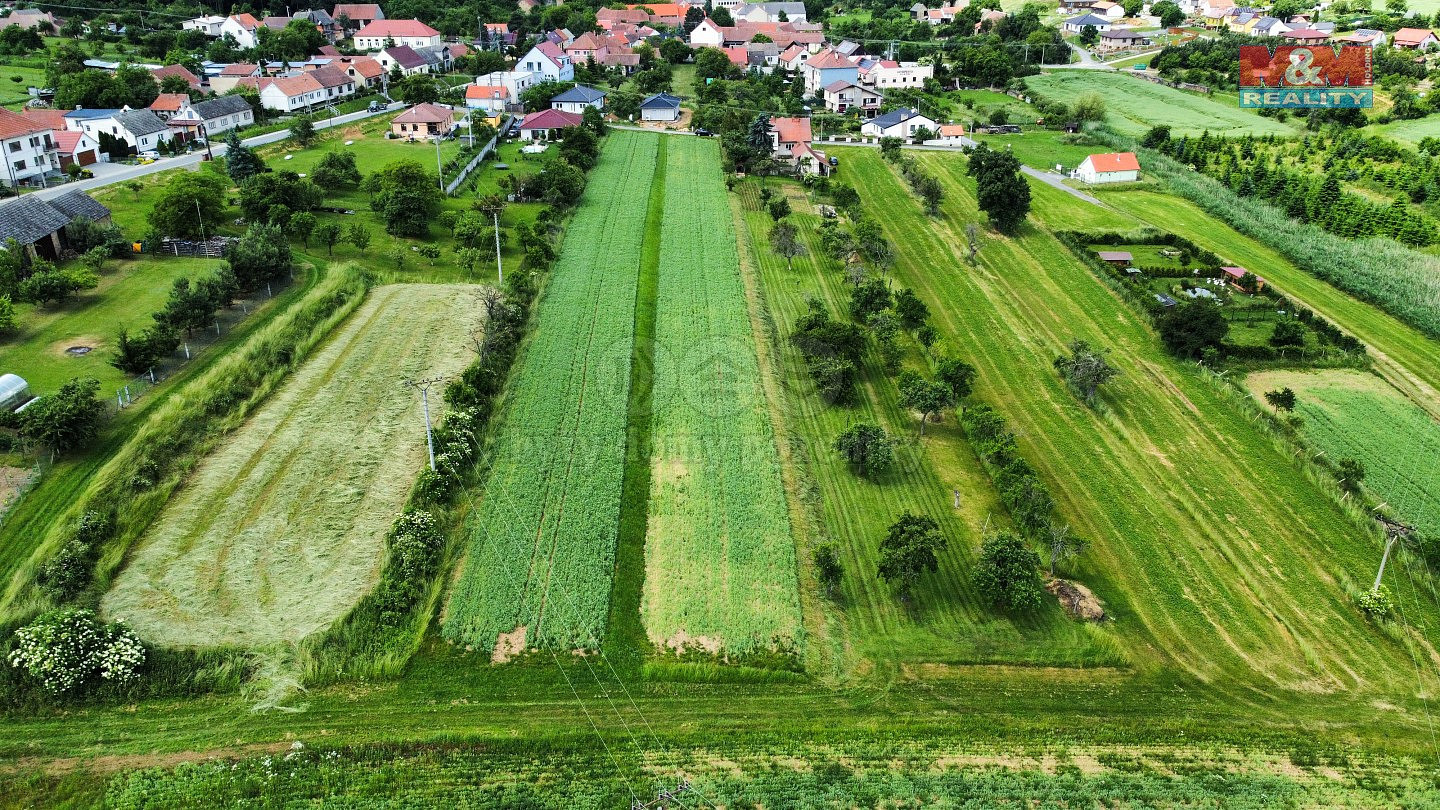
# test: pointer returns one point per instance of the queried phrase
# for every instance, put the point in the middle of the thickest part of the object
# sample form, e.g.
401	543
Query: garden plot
281	529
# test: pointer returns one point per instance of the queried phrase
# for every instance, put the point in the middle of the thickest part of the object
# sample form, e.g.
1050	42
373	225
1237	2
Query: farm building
660	107
1119	258
39	224
1236	275
1113	167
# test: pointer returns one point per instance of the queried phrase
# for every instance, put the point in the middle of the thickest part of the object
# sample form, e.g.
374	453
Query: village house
167	105
191	80
30	18
770	12
844	97
660	107
951	134
74	147
287	93
901	123
364	70
786	132
222	114
548	62
27	147
384	33
354	16
542	125
423	121
241	28
139	130
402	58
887	75
1235	277
1075	25
577	98
209	25
1108	9
1305	36
1119	38
1369	37
1414	39
230	75
826	68
1111	167
490	99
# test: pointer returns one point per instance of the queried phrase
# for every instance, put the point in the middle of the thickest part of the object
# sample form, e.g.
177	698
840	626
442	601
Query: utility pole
663	797
1394	530
200	217
499	268
424	386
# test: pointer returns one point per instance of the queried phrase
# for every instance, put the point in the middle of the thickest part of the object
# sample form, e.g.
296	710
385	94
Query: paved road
1057	181
119	174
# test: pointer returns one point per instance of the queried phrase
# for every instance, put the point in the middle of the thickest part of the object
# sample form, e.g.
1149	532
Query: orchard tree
329	235
1008	574
191	203
1089	107
1085	370
908	550
1282	399
68	419
867	447
923	396
336	170
1063	543
1000	188
785	241
958	376
359	236
406	197
1089	35
1188	330
828	568
869	297
303	130
1288	334
429	252
911	310
302	225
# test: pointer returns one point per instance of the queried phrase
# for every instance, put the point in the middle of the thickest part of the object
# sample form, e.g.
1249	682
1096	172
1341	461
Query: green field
1133	105
1043	148
1410	131
540	562
282	528
1350	414
1170	484
719	557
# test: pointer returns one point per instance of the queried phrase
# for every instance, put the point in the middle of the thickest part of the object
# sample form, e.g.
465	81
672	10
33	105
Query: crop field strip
548	520
282	528
1176	490
1133	105
720	559
1403	355
947	621
1352	414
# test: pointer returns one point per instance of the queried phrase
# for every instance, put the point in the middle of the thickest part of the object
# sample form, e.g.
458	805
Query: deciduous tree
1008	573
909	550
867	447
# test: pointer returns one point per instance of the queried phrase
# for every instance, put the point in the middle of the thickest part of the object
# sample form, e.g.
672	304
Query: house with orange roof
241	28
487	98
786	132
287	93
230	76
828	67
423	121
166	105
671	14
365	70
47	117
608	18
163	73
1110	167
381	33
1414	39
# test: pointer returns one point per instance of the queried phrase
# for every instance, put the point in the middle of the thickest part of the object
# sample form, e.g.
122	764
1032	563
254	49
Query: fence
211	248
192	346
484	150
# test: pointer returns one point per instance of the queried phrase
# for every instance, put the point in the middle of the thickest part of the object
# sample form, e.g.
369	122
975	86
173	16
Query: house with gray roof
39	224
577	98
223	113
660	107
1075	24
770	12
901	123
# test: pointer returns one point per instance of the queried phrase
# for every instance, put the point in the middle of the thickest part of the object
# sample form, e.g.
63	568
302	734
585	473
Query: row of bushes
85	548
1020	488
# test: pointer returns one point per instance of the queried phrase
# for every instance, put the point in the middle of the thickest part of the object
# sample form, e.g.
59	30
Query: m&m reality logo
1306	76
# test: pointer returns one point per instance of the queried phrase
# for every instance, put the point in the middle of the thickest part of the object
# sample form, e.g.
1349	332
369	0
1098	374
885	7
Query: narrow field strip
280	530
719	555
542	555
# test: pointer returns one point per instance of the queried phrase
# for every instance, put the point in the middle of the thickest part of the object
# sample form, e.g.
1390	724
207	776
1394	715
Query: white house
210	24
1112	167
141	130
577	98
514	81
223	113
27	148
1075	25
287	93
901	123
487	98
660	107
707	35
241	28
383	33
1108	9
548	62
908	75
843	96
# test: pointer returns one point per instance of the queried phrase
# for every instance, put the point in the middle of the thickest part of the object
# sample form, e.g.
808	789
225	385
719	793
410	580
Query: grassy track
543	551
720	558
1403	355
1350	414
1133	105
1189	505
282	528
947	622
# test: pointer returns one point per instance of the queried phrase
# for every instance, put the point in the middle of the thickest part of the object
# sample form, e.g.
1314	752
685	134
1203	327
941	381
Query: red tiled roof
1306	33
329	50
247	21
500	28
585	42
487	91
1411	36
239	69
949	130
169	102
13	124
367	67
663	9
161	74
68	141
45	118
458	49
791	130
356	11
1115	162
550	119
738	56
397	28
829	59
425	114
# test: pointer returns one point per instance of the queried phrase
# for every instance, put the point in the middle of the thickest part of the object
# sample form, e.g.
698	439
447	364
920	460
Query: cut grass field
1351	414
282	528
869	628
719	557
1134	105
1175	489
541	558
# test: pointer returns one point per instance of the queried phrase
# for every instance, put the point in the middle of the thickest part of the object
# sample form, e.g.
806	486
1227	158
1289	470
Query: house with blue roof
577	98
660	107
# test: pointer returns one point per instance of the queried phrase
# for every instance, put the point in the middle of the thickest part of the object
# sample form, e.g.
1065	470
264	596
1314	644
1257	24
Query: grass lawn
1167	480
14	94
1410	132
129	292
1134	105
1043	148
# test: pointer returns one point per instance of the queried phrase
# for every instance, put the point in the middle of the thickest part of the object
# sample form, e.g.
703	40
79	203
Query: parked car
703	132
150	155
376	106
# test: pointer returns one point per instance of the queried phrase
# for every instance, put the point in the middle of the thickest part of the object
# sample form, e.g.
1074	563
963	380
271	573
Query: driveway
110	173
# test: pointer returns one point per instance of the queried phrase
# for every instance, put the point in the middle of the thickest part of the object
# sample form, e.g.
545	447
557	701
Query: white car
150	155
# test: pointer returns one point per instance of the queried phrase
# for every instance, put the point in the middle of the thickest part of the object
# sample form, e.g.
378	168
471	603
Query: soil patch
683	641
508	645
1077	600
76	346
12	481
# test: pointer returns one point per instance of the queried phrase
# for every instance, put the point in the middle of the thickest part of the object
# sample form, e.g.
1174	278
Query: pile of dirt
1077	600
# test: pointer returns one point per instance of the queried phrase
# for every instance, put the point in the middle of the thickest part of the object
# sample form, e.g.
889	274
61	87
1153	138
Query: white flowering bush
1376	604
64	648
